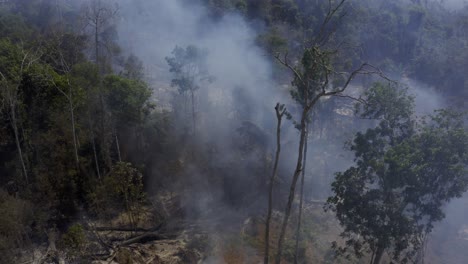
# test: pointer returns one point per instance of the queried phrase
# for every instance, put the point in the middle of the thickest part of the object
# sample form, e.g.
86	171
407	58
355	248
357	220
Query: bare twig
322	38
357	99
286	64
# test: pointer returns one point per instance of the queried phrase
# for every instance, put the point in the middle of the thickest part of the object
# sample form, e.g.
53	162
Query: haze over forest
233	131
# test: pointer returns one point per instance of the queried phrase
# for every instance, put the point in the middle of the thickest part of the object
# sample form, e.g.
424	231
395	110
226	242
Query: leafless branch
357	99
286	64
321	36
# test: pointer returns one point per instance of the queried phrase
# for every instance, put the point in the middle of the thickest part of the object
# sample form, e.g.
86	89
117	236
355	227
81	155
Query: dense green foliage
405	171
60	124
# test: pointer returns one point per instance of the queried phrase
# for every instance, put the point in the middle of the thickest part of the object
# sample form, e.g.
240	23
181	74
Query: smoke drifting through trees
151	30
232	58
238	67
232	152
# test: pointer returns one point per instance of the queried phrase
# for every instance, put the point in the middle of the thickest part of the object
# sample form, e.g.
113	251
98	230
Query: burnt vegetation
233	131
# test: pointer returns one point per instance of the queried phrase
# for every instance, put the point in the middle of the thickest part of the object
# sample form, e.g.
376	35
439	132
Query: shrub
74	241
122	186
16	218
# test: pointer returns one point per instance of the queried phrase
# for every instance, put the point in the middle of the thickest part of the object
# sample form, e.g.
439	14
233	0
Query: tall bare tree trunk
118	146
96	41
69	97
75	141
378	255
18	144
93	143
422	254
97	21
298	229
372	256
193	110
279	116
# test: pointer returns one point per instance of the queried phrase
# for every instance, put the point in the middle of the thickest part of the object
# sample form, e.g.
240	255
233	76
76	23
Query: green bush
16	218
120	190
74	240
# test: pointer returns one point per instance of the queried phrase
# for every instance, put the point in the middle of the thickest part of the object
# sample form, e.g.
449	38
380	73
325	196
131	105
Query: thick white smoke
454	4
242	74
152	29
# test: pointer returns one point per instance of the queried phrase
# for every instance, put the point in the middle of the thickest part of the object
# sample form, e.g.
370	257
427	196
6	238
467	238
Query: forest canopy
225	131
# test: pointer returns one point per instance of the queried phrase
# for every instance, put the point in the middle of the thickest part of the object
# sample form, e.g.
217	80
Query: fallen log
151	236
125	229
89	226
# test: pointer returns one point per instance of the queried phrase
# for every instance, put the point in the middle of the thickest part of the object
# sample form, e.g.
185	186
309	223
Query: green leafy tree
126	99
51	141
74	241
405	171
86	76
314	78
71	93
122	186
127	102
14	63
133	68
189	68
14	224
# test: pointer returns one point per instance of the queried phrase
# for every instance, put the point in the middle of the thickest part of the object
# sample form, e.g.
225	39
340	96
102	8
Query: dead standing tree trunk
98	15
117	145
14	125
280	112
192	94
93	143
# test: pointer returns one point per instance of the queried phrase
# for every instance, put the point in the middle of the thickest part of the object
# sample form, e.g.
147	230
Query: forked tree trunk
378	255
193	110
279	116
422	253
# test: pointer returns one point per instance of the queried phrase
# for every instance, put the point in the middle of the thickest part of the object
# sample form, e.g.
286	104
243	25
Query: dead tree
280	112
98	16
